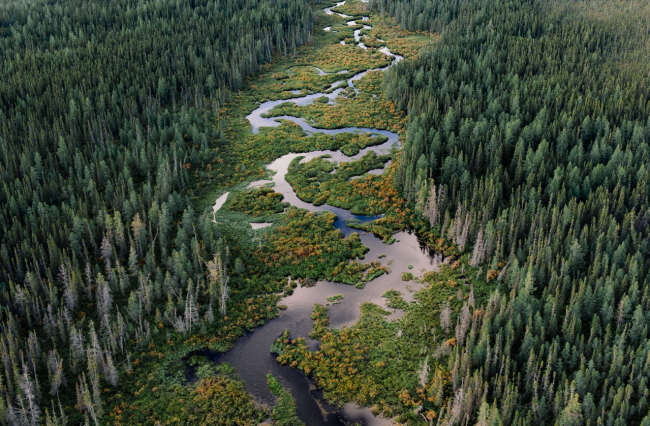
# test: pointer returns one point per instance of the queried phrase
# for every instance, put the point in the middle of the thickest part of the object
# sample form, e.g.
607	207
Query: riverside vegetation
530	177
112	270
107	114
538	173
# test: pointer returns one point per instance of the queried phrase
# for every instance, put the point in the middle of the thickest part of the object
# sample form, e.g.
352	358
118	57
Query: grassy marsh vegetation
393	366
149	272
319	181
284	411
303	245
257	202
367	108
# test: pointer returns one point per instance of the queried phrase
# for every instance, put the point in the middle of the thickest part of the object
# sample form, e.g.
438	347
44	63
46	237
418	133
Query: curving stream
250	355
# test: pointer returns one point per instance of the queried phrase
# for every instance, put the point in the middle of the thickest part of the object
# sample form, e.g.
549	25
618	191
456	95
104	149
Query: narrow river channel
250	355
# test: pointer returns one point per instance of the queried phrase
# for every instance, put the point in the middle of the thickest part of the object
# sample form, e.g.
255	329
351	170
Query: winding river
250	355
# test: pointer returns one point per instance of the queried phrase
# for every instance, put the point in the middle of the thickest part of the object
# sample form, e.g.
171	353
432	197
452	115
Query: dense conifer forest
528	131
524	163
106	109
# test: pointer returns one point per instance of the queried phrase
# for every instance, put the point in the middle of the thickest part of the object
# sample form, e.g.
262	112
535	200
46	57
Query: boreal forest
306	212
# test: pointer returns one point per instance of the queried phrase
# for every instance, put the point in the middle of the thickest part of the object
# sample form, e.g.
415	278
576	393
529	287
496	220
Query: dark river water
251	354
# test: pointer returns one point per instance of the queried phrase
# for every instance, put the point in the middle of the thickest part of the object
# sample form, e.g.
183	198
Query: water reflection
250	355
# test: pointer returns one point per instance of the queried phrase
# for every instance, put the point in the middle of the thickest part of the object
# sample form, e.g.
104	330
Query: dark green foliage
321	181
321	321
527	141
284	412
258	202
108	113
220	401
307	245
335	300
395	299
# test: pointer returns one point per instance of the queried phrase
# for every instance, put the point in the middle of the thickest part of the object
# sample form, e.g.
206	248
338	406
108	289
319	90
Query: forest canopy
528	132
526	146
105	108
